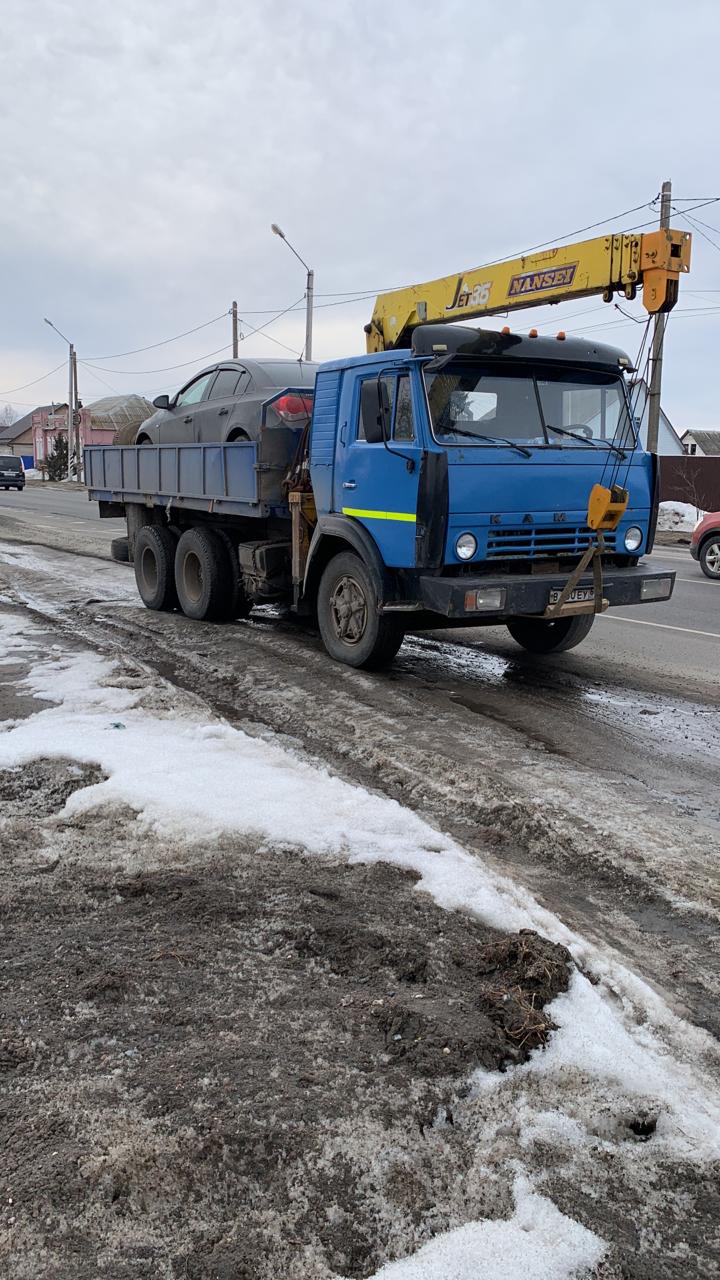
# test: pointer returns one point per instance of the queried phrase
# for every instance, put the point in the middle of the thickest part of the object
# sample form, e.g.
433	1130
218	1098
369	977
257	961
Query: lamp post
73	430
310	284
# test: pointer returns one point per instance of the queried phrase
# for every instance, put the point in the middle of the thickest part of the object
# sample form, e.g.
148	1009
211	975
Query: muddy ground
242	1063
184	1053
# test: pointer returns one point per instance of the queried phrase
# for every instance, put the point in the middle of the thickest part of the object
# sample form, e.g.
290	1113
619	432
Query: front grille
529	540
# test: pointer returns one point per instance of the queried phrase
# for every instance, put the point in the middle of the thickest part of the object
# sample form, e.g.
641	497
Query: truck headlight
466	546
633	538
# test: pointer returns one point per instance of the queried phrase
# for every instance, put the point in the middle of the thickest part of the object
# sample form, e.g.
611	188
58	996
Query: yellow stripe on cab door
380	515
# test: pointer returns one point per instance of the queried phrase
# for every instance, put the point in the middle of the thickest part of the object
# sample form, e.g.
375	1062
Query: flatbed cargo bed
243	478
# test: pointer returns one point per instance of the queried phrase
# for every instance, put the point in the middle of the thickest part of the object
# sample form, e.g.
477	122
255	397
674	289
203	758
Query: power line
697	227
35	381
118	355
139	373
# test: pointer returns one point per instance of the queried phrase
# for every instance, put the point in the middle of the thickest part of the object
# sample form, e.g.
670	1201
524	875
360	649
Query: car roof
267	373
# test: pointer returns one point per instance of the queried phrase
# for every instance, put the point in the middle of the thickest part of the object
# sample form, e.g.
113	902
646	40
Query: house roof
16	429
709	441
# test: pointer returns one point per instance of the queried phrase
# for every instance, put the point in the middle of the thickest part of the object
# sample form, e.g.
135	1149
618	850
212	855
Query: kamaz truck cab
457	475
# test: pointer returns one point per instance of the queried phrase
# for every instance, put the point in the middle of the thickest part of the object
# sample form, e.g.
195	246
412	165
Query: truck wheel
545	635
236	603
120	550
710	558
204	576
154	567
352	629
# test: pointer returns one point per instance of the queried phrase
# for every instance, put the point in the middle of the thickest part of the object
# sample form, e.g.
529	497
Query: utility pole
76	411
234	330
71	403
656	354
309	313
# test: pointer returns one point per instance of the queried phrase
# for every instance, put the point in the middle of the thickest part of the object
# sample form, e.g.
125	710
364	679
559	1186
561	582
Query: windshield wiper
476	435
594	444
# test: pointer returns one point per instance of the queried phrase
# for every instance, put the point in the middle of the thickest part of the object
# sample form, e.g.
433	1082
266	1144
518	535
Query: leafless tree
8	415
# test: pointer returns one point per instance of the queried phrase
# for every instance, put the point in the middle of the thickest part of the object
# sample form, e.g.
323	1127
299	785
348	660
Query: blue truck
441	483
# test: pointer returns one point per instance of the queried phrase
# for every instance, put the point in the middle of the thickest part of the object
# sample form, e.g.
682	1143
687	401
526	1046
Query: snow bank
680	517
538	1241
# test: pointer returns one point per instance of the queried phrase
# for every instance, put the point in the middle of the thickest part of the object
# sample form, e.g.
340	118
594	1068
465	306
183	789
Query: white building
701	444
669	442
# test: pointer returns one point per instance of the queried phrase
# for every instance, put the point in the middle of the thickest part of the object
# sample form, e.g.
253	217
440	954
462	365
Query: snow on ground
680	517
499	1250
618	1049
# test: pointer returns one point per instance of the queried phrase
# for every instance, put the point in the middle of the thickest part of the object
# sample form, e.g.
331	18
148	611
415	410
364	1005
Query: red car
705	544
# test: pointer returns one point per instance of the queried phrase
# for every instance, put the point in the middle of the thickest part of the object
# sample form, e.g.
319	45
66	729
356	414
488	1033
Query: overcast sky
147	145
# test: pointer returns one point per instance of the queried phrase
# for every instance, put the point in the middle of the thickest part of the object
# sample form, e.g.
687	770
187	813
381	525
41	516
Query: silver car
225	402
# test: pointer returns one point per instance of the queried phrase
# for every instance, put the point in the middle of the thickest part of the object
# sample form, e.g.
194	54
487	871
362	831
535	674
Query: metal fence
691	479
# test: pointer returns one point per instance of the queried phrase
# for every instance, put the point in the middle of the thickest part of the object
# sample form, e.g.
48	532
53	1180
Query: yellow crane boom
605	265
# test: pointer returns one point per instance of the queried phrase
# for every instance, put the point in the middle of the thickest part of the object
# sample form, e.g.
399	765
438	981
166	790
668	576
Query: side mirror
375	410
162	402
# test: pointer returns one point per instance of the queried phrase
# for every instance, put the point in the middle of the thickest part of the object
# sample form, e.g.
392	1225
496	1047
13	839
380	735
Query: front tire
710	558
352	628
154	563
550	635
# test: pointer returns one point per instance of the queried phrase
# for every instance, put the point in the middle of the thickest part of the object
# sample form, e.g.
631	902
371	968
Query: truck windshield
475	404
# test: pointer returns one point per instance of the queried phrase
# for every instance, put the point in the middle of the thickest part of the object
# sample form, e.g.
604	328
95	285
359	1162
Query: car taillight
293	408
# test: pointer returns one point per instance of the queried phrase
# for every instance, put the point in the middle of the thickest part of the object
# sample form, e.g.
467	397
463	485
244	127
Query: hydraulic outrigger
605	265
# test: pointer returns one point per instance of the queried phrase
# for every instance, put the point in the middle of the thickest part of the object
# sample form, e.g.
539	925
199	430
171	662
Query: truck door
377	484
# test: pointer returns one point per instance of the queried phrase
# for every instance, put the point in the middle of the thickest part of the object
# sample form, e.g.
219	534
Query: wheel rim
712	558
149	568
192	576
348	610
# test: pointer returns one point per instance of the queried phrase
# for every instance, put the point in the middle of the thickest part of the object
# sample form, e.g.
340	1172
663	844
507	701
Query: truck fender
334	534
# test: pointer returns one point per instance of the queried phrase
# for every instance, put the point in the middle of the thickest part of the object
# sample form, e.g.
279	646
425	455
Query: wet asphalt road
670	647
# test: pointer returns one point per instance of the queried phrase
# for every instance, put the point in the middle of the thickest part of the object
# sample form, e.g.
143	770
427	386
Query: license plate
578	596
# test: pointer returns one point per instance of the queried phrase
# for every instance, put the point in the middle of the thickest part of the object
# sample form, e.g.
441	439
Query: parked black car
225	403
12	473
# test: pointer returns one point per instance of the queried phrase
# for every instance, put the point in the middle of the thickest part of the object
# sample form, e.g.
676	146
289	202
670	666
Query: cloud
147	148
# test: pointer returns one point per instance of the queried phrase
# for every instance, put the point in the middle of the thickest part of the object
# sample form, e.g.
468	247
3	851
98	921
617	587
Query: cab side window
389	384
403	425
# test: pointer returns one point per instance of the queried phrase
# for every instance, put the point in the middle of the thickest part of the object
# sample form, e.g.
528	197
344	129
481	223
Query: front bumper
530	594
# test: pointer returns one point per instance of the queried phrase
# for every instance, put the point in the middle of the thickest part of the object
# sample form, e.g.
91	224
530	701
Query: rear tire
352	628
548	635
204	579
710	558
155	567
120	550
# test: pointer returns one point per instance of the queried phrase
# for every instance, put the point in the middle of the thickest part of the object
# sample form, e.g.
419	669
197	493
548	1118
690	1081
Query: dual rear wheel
197	572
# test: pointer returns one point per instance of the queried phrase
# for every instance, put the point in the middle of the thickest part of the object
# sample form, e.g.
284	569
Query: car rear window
10	463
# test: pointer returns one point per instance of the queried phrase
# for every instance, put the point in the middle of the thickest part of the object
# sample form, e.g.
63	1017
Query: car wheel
710	557
550	635
143	440
154	567
352	628
204	576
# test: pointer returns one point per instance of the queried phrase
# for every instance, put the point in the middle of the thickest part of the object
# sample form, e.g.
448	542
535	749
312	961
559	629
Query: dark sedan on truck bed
225	403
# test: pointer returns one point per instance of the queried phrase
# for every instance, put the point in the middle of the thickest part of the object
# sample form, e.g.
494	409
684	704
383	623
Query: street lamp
308	291
73	430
